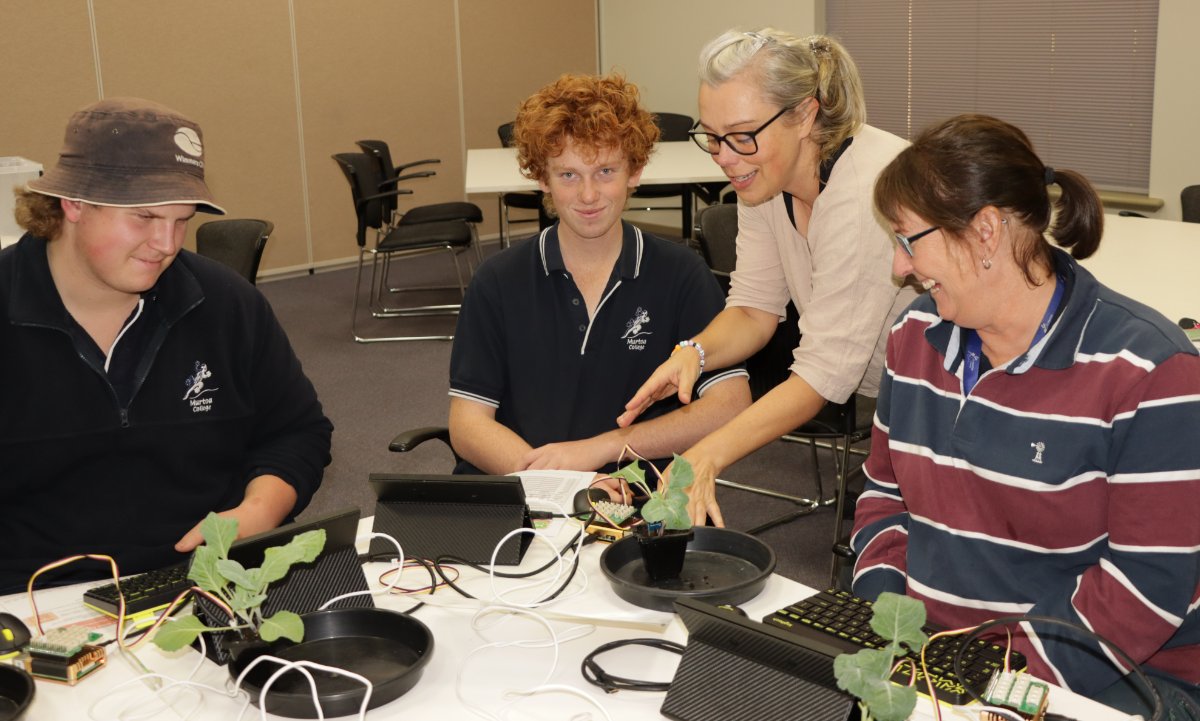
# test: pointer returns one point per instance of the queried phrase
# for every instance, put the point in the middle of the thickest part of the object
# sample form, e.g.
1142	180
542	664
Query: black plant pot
663	555
388	648
244	645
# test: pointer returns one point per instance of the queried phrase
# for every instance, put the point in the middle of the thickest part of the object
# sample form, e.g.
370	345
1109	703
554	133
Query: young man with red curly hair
557	331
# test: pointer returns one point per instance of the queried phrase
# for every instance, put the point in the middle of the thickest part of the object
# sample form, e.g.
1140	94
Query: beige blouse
840	276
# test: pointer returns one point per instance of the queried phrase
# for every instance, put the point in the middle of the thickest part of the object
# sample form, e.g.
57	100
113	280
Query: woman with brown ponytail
1036	448
784	118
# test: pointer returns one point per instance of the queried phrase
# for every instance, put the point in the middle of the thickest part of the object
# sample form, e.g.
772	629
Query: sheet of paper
554	491
59	606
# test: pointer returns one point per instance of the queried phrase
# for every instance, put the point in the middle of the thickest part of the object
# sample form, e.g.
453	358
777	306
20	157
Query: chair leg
502	214
371	291
806	505
380	310
843	477
478	246
837	469
841	460
685	202
816	464
462	289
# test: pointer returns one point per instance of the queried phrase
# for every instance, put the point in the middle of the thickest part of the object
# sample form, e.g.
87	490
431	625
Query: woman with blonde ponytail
784	118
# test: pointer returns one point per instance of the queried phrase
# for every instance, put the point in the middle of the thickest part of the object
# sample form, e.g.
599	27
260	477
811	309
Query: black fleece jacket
215	397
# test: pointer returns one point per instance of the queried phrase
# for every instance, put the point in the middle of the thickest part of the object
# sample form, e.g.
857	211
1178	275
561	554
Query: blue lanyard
971	361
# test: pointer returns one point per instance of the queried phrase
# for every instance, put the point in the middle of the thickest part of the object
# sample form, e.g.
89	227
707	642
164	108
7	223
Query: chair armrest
367	199
412	438
843	566
426	161
410	176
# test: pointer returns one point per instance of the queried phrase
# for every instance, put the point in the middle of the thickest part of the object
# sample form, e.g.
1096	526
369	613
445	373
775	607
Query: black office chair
391	177
672	127
1189	199
838	426
521	200
410	439
236	242
393	242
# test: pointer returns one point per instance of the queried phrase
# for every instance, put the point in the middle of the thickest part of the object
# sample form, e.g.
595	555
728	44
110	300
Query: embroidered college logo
1037	447
197	387
634	330
188	141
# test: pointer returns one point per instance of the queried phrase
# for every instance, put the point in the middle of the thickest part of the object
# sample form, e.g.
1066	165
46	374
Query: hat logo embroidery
188	141
197	387
633	329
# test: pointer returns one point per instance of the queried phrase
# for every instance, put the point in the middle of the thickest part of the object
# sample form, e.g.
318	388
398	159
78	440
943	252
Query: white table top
494	170
1152	261
488	676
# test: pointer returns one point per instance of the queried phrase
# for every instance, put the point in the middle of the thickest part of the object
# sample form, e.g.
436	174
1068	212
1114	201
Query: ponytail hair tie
757	40
1049	175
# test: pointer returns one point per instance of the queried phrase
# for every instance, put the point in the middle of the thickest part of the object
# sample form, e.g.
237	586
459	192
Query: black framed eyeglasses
742	143
906	241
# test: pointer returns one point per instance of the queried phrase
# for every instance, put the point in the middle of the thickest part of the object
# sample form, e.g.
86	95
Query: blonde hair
41	215
790	69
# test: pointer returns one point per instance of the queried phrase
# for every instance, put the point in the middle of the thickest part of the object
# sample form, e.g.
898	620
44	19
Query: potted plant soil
667	528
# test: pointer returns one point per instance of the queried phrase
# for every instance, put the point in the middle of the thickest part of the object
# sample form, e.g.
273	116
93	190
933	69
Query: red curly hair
596	111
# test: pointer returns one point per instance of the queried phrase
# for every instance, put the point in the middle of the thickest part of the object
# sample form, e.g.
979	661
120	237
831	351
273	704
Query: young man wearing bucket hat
141	385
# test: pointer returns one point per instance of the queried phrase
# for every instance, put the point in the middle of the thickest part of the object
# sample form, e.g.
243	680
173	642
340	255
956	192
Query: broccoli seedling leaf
238	575
889	702
178	632
219	533
303	548
204	569
899	619
284	624
854	672
682	474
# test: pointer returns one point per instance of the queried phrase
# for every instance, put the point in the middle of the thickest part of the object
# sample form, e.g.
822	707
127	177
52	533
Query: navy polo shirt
525	345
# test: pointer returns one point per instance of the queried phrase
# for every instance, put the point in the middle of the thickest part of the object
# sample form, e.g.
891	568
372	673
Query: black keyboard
835	622
144	592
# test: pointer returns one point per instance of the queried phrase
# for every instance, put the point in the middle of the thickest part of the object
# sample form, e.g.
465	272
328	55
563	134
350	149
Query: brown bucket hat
129	152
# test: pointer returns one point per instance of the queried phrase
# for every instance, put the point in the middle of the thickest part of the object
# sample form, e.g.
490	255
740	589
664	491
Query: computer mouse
585	497
14	635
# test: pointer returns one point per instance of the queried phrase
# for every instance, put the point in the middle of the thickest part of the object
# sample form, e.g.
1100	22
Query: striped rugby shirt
1067	484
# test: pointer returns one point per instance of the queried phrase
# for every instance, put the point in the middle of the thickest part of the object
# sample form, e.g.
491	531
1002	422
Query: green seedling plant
240	590
867	673
667	504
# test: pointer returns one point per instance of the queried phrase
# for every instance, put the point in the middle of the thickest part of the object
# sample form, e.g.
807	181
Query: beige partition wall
280	85
656	43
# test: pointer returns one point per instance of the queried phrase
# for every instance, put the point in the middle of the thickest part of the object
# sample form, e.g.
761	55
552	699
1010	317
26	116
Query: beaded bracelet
692	344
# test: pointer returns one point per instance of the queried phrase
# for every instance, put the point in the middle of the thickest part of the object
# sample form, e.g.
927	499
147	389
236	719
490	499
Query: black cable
1006	620
432	583
500	574
387	556
438	567
597	676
